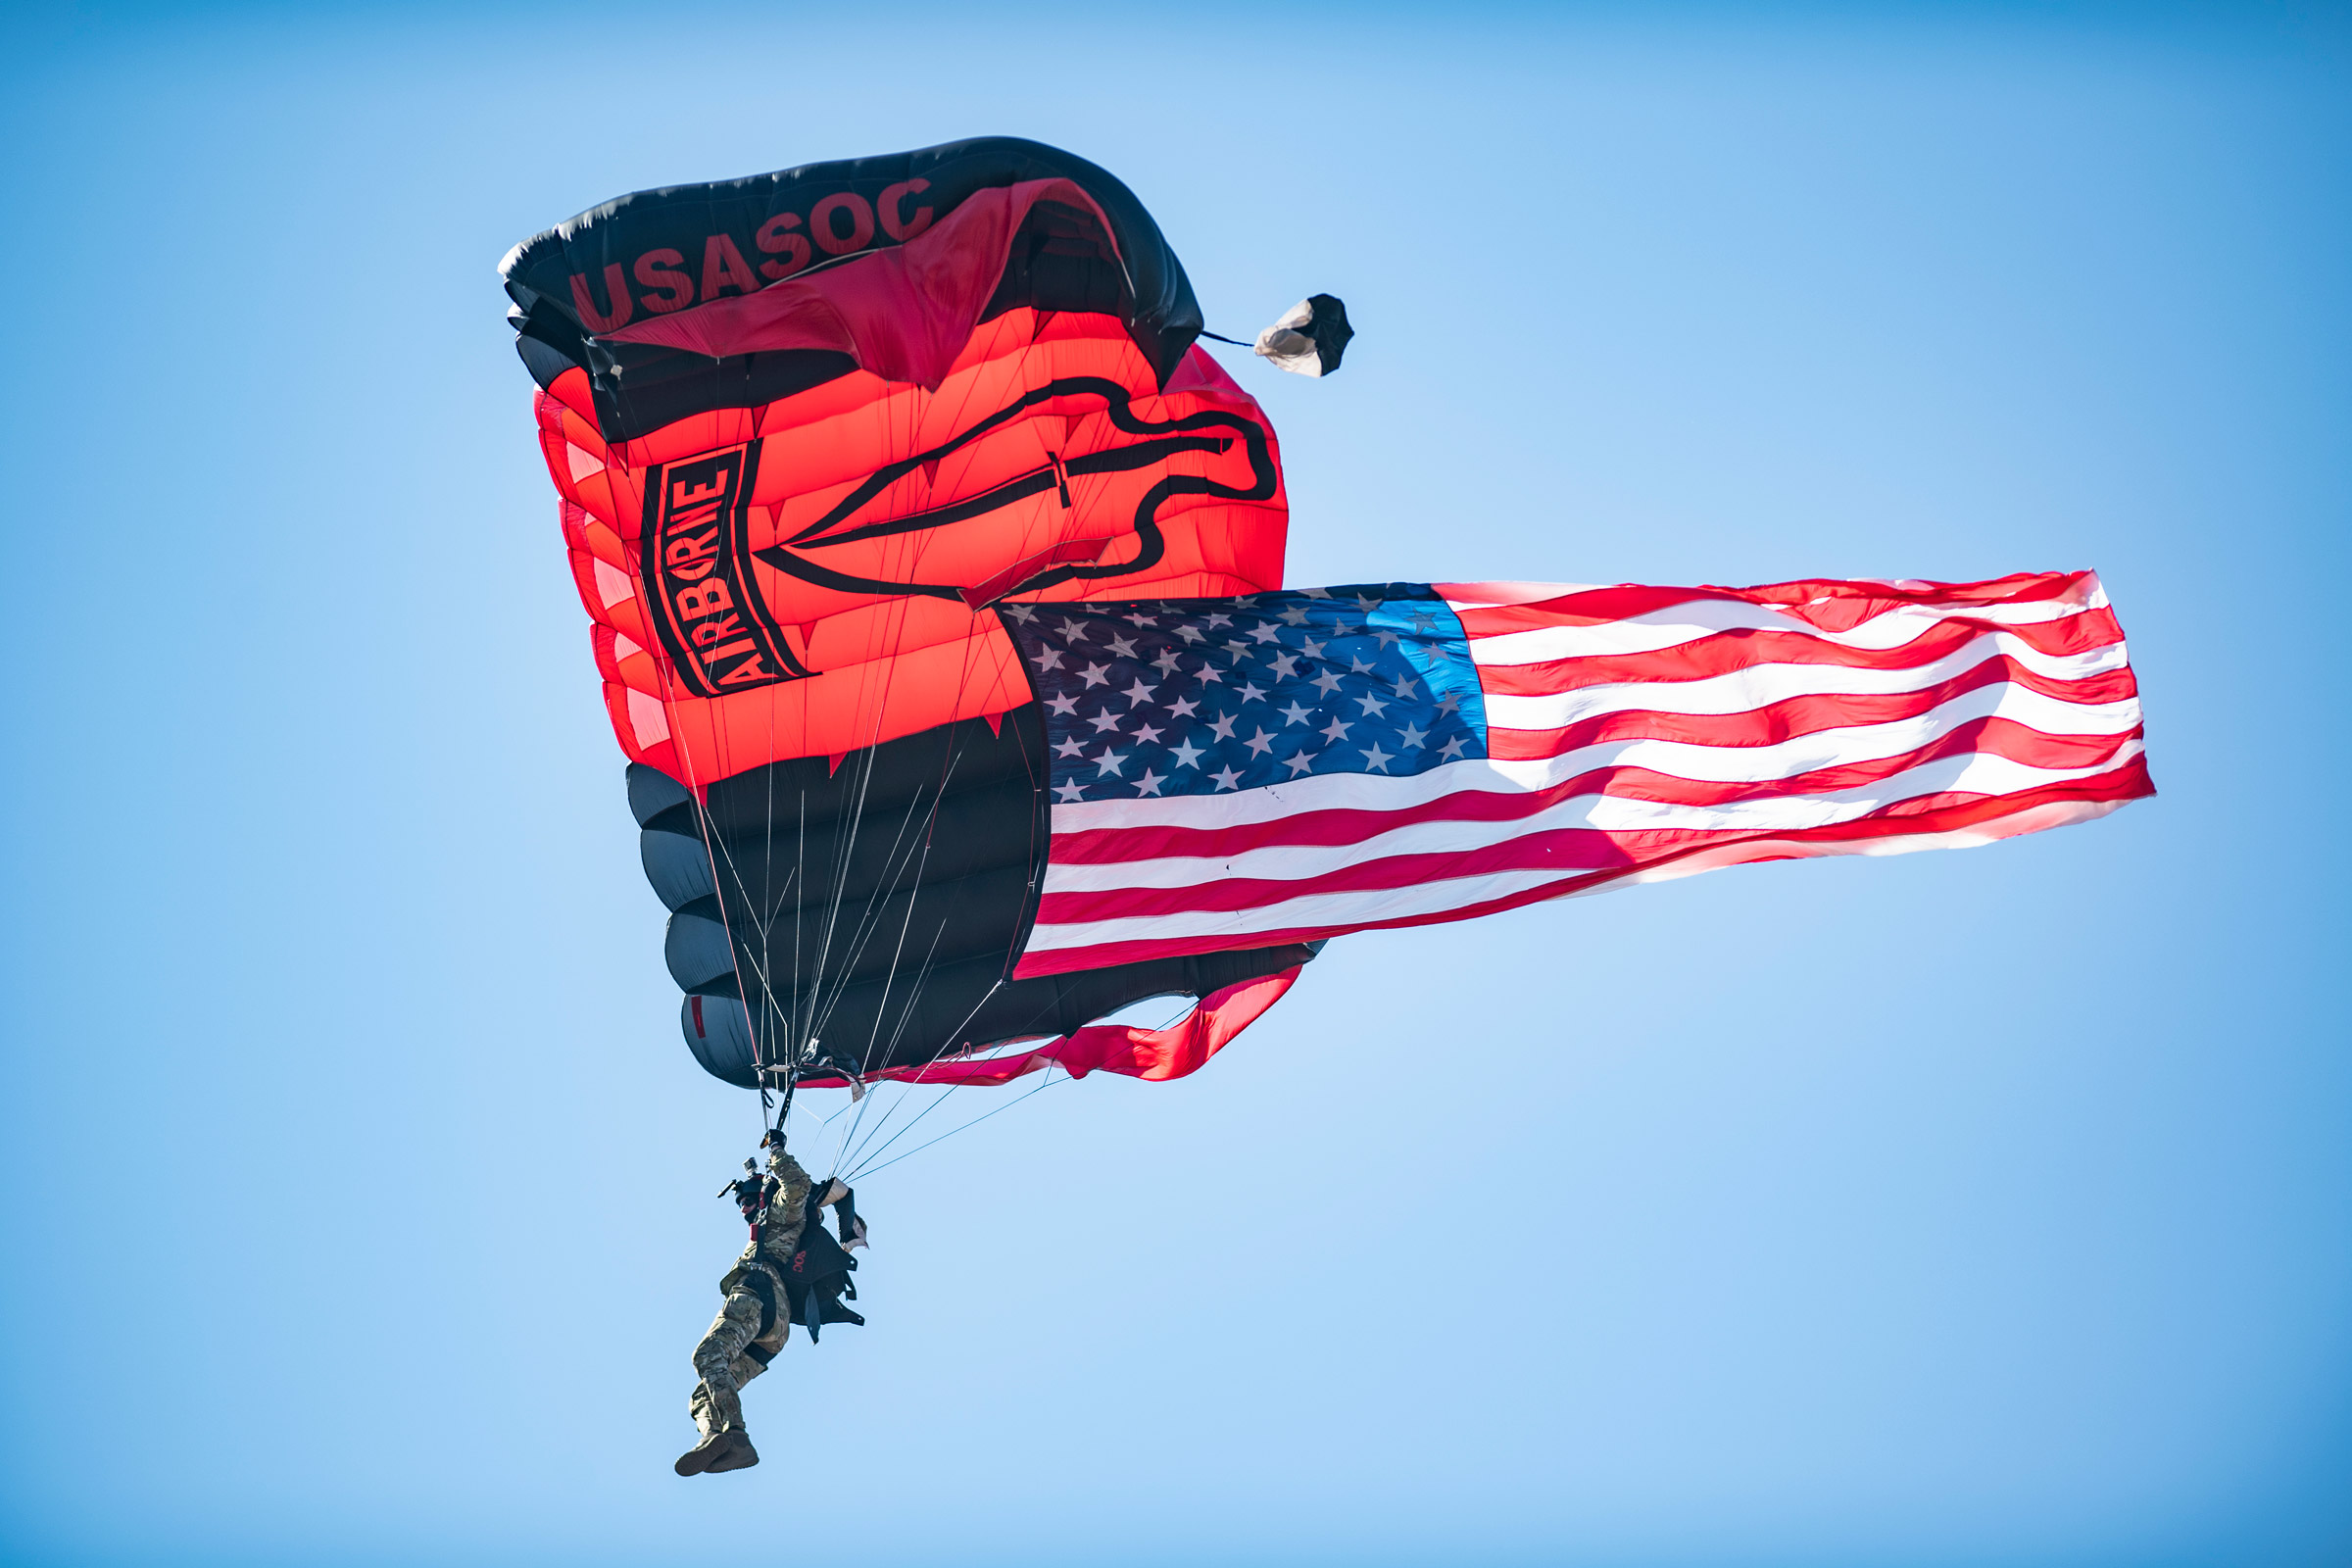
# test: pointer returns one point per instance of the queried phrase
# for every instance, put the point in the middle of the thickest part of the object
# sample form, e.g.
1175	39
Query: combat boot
739	1454
706	1454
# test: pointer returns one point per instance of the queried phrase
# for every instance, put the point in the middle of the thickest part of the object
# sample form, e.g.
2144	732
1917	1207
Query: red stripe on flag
1993	816
1724	652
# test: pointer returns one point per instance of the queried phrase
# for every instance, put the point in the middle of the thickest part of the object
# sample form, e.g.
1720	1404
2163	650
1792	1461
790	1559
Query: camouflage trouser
722	1367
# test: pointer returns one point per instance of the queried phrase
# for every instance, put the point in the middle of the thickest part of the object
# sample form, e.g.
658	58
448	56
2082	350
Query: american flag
1287	767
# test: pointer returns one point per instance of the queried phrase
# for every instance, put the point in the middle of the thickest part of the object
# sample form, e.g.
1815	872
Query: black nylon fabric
664	249
876	906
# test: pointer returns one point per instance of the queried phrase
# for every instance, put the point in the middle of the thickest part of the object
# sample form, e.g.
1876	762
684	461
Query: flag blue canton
1204	695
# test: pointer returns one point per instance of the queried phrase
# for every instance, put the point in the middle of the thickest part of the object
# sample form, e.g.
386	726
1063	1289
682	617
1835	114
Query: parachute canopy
808	427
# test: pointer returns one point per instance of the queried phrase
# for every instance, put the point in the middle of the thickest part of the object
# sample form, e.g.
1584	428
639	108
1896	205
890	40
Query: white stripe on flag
1693	619
1760	685
1977	774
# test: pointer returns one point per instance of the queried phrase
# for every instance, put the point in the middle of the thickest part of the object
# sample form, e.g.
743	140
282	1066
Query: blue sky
1954	1209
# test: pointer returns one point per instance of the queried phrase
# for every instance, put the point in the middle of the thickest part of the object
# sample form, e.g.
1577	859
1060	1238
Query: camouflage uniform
725	1361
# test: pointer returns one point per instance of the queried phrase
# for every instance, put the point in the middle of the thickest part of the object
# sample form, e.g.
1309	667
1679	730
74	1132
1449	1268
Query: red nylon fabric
1183	1048
903	313
892	643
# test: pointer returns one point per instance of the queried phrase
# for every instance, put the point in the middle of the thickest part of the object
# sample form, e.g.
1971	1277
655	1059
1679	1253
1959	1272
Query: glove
845	1223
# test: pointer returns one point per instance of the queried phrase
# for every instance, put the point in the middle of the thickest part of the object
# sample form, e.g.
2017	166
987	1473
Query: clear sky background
1977	1208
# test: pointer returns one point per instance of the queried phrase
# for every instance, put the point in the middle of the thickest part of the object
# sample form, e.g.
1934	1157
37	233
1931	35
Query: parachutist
792	1271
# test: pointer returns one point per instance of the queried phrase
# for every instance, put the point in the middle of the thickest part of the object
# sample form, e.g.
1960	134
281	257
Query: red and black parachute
808	427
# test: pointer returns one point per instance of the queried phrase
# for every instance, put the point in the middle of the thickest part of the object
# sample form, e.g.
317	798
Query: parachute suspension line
895	872
937	1100
917	865
922	977
937	1057
761	1061
948	765
906	1013
953	1037
716	851
711	856
815	1002
949	1089
767	1059
869	922
864	1171
854	1146
800	864
905	1016
769	898
809	1001
822	1002
844	847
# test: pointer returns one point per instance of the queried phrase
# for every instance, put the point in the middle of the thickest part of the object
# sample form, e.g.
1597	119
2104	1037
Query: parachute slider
1012	578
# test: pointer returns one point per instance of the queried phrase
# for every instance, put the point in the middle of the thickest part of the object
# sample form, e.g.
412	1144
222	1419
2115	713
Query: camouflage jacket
780	1223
